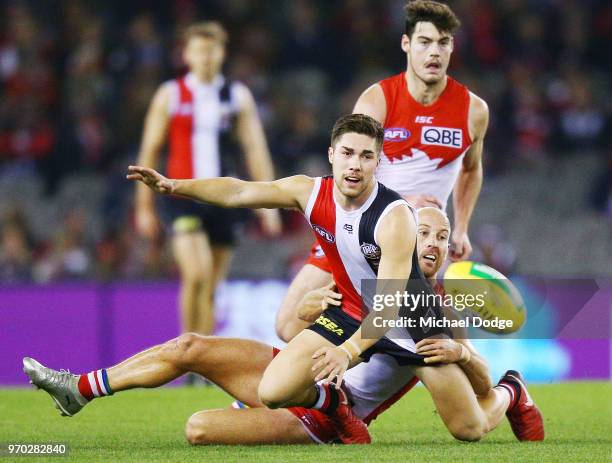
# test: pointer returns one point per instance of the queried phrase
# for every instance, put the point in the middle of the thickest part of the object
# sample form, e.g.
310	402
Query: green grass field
147	425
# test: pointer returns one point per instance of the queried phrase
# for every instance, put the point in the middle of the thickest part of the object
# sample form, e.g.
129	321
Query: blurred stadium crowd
77	76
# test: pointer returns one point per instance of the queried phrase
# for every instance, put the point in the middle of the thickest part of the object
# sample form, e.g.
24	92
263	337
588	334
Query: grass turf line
147	425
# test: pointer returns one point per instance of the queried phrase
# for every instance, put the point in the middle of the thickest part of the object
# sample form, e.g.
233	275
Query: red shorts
318	425
318	258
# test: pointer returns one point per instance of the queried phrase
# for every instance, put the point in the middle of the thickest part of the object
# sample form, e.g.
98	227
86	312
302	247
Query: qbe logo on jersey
442	136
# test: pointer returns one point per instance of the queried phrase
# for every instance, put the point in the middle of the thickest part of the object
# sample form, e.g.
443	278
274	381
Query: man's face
432	240
354	159
428	51
204	55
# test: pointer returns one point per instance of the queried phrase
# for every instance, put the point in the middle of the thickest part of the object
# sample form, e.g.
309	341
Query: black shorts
223	226
336	326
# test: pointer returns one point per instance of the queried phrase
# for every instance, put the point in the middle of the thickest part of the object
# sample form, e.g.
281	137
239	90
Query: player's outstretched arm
468	185
396	237
290	192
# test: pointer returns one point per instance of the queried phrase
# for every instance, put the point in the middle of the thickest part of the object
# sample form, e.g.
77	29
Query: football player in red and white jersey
434	132
196	114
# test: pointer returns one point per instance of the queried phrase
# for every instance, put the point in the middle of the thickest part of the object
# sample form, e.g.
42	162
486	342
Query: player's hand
439	350
271	222
460	246
151	178
147	223
332	363
419	201
316	301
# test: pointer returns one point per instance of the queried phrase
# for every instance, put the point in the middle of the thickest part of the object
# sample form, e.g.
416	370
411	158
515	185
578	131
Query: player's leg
222	257
310	277
246	426
194	258
466	416
289	379
236	365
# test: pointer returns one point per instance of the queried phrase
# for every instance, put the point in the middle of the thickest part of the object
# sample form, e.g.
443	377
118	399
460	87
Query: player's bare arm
153	140
396	237
468	185
463	353
229	192
252	139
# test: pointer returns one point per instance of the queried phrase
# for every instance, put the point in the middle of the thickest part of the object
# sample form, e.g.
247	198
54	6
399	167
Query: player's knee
270	396
467	431
283	329
185	348
195	277
197	429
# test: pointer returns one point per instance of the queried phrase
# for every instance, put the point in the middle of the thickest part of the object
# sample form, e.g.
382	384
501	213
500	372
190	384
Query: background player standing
434	133
198	114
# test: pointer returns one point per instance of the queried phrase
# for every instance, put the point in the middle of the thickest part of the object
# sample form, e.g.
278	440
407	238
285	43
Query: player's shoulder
241	94
372	102
373	92
479	112
394	224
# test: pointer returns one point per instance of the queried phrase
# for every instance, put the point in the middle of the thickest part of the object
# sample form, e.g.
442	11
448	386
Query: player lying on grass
237	365
463	394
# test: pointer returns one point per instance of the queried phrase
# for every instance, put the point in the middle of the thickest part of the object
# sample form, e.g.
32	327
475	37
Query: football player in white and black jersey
377	218
199	115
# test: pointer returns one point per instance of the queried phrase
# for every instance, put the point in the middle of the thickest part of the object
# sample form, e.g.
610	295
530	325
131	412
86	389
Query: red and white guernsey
424	145
201	116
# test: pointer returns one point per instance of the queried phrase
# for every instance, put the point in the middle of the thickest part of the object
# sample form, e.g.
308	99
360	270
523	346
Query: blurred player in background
199	114
237	366
434	132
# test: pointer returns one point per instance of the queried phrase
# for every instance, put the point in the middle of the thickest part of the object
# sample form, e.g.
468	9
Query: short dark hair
430	11
361	124
207	29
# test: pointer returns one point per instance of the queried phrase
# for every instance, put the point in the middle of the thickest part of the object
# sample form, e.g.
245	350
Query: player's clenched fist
151	178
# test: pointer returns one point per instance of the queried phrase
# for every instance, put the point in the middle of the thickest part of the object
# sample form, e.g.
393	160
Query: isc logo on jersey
442	136
395	134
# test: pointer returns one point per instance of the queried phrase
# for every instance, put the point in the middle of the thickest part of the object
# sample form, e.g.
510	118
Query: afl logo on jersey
396	134
327	236
442	136
370	251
